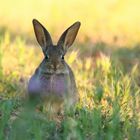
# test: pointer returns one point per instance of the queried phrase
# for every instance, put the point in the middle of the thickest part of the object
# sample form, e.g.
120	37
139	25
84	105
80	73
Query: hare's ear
42	35
68	37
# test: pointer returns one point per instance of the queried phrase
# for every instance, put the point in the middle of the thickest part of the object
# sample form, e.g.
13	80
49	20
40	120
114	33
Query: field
106	65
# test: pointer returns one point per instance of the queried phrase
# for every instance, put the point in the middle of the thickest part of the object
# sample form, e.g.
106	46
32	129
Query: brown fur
53	80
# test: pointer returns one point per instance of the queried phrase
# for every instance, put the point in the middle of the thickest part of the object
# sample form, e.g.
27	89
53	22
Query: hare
53	80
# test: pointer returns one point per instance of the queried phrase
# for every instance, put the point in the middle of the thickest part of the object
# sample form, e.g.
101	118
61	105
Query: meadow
106	68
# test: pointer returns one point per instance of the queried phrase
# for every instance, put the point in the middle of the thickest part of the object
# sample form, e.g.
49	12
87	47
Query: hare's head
54	54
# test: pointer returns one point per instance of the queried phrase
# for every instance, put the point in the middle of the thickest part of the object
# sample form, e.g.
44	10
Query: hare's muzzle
55	66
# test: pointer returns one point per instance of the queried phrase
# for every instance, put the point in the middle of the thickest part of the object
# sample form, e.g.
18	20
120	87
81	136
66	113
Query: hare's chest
50	85
55	84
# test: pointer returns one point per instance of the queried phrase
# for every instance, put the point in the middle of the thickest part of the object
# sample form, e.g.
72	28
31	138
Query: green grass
109	106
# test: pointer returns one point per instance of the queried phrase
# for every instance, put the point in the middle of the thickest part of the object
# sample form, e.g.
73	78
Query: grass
108	85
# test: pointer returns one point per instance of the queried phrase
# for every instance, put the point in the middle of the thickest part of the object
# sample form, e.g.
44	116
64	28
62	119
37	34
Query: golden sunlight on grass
17	58
103	63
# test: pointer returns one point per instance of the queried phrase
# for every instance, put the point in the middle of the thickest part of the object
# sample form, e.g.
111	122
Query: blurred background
110	21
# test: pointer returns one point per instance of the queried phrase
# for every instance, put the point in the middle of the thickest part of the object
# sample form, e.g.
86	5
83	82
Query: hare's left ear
42	35
68	36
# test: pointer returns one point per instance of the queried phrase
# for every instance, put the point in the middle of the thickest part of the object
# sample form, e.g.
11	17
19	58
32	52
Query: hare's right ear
42	35
68	36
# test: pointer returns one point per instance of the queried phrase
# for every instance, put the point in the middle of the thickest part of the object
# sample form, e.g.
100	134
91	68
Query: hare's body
53	81
53	85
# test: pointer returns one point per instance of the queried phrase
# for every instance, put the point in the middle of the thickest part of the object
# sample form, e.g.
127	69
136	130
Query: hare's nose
55	66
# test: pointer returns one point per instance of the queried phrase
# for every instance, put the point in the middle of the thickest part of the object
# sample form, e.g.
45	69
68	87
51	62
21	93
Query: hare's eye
46	57
62	56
